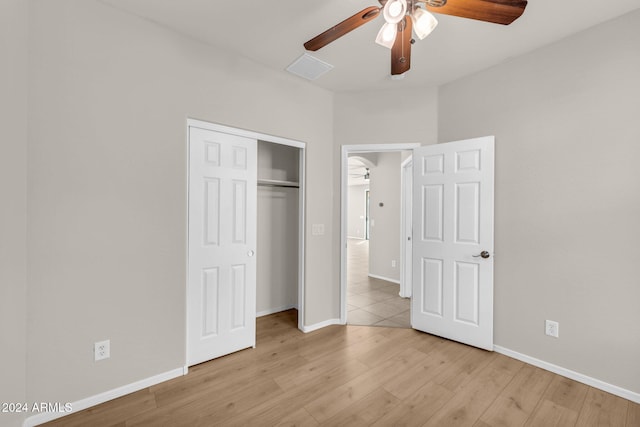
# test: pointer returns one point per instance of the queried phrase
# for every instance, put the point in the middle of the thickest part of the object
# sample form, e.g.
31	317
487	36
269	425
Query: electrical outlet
101	350
393	263
551	328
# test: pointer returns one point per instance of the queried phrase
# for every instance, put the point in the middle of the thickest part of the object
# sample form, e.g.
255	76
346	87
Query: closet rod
275	183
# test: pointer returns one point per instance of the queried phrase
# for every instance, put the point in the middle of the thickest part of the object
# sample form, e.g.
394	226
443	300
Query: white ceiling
272	33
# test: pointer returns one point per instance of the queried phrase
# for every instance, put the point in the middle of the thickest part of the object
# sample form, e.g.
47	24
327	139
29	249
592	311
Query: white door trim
344	191
301	200
406	198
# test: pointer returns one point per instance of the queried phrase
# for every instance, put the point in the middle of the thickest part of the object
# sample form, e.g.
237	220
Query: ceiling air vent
309	67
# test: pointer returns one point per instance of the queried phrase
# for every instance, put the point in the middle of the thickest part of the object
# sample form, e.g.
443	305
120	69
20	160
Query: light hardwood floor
361	376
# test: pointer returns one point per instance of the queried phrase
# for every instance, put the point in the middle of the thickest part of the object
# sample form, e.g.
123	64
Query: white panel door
453	241
221	294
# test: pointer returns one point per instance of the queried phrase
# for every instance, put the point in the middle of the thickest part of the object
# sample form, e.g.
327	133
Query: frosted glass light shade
394	11
423	22
387	35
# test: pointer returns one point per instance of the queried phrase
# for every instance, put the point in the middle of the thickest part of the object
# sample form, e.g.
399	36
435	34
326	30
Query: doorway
378	289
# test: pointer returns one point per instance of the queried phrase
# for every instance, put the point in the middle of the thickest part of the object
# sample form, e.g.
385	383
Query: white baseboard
83	404
356	238
276	310
321	325
576	376
375	276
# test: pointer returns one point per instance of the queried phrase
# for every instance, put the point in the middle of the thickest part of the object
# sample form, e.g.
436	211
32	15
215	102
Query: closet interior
278	227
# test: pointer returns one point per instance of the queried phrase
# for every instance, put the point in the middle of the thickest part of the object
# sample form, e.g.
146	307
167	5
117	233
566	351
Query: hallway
370	301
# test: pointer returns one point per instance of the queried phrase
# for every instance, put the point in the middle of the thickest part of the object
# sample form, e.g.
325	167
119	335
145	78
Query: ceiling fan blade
342	28
497	11
401	50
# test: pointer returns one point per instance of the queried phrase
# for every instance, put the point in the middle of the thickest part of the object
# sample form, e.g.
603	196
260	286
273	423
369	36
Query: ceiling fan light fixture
387	35
394	11
423	22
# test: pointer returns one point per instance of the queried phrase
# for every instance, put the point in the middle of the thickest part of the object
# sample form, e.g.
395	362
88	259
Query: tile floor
372	301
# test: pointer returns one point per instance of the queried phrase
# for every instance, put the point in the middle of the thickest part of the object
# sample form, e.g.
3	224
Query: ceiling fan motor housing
436	3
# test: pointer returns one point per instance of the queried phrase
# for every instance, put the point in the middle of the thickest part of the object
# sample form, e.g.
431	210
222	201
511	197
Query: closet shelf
278	183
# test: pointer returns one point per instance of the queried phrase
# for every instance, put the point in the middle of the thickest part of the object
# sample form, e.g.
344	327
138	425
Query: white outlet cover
552	328
102	350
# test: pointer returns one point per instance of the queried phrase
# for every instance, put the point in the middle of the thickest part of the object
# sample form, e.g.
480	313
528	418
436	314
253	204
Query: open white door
453	241
221	294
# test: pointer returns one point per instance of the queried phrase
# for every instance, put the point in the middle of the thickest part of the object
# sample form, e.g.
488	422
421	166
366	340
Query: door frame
301	206
344	191
367	212
406	204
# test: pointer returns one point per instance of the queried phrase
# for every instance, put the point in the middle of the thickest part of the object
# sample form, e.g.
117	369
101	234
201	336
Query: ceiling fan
403	16
360	175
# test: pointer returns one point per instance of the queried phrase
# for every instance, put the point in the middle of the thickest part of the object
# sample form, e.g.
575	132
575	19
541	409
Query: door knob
250	253
483	254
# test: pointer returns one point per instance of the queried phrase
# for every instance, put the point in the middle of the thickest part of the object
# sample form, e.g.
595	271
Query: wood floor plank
602	409
328	340
461	369
519	399
468	403
550	414
358	375
412	377
394	345
417	407
234	379
114	412
567	393
366	411
310	371
228	406
342	397
299	418
295	397
400	369
633	415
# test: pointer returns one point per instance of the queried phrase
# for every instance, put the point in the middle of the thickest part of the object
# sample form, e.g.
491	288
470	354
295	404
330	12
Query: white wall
386	117
13	207
109	97
567	133
277	254
357	211
384	231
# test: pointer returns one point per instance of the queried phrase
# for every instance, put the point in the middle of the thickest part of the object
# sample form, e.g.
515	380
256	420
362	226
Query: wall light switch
317	229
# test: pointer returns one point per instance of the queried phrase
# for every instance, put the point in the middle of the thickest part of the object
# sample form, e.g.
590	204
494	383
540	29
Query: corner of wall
13	188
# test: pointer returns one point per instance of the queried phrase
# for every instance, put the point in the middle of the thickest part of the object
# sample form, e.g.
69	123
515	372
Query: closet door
221	294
